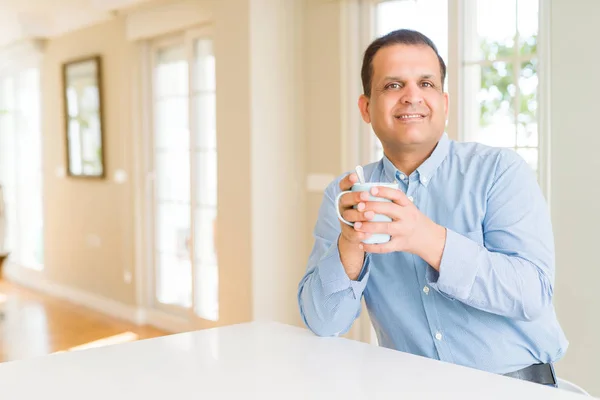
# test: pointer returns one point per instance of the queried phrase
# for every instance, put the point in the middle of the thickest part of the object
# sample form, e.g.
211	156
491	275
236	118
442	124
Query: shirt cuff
458	267
334	278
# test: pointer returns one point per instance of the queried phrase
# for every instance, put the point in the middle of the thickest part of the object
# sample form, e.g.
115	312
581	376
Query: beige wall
574	188
278	157
323	112
234	242
89	223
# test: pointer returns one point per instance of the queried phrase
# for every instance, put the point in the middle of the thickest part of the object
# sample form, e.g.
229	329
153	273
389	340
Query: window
21	166
184	155
429	17
498	59
500	70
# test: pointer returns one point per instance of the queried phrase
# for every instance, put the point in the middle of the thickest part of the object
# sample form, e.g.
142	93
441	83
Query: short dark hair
400	36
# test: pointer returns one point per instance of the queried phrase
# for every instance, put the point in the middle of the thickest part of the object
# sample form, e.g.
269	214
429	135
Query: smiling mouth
409	117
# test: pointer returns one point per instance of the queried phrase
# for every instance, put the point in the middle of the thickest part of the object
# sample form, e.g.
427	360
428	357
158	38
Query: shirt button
426	290
411	198
402	176
424	179
438	336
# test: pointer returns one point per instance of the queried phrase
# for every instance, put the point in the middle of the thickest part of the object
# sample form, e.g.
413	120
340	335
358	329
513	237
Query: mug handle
337	208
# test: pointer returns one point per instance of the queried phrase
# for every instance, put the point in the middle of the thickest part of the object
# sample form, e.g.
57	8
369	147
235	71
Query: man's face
407	107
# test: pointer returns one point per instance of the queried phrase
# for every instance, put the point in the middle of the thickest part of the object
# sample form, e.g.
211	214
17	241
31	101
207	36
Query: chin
411	137
401	136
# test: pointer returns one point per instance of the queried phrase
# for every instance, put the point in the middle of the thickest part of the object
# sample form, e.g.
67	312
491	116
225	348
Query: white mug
375	238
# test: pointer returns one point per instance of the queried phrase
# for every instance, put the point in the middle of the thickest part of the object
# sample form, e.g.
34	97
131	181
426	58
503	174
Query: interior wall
278	157
323	91
234	135
574	163
88	224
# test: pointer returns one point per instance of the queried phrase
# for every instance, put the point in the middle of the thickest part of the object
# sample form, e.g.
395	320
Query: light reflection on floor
107	341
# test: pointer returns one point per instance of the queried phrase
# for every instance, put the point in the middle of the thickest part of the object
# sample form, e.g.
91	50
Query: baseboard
35	281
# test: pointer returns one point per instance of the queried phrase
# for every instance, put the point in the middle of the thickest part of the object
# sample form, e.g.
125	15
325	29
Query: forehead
405	60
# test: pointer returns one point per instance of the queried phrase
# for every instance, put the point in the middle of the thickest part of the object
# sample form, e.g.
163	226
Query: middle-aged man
468	274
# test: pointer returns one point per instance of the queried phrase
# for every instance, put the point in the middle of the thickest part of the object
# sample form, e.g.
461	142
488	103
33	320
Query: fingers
352	235
395	195
392	210
379	248
388	228
353	215
351	199
348	181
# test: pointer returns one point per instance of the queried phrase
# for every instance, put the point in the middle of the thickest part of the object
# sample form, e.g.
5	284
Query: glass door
21	170
204	179
184	153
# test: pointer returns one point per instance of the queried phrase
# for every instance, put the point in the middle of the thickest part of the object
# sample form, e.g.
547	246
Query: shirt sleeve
329	300
512	272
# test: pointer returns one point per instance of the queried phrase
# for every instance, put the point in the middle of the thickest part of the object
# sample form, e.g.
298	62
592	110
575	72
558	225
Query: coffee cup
375	238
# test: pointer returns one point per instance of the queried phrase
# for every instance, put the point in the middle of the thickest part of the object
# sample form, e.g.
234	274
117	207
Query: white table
253	361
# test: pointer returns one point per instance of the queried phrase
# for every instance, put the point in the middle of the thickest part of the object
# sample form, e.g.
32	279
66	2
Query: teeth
410	116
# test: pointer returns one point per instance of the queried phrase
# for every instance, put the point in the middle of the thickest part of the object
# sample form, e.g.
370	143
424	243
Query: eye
393	85
427	84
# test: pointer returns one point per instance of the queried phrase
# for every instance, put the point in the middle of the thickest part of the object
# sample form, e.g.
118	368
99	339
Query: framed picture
82	90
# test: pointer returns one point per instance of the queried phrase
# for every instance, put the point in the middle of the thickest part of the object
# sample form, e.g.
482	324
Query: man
468	274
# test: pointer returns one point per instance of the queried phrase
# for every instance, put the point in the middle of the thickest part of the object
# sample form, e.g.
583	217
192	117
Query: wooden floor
34	324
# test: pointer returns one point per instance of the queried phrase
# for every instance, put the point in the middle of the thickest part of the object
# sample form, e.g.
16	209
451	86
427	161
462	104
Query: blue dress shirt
490	305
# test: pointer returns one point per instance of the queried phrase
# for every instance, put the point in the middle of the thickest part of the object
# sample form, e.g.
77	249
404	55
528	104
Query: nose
412	95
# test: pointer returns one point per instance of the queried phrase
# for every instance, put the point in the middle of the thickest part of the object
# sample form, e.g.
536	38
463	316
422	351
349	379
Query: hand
346	204
410	230
349	241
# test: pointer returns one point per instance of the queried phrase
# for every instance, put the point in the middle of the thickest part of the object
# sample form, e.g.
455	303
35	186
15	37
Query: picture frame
84	117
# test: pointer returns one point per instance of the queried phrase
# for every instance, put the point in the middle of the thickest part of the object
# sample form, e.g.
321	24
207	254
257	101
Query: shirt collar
429	166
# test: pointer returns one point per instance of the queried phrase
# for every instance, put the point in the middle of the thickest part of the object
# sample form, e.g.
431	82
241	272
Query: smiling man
468	274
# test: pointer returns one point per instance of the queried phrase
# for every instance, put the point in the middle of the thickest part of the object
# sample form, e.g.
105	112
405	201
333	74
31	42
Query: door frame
145	196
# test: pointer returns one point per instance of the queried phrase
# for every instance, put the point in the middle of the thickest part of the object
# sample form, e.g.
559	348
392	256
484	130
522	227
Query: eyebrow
397	78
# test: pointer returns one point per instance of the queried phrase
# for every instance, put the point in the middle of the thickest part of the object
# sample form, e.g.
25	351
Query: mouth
406	117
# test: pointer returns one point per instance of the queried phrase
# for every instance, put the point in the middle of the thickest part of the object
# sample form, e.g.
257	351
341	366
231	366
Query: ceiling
21	19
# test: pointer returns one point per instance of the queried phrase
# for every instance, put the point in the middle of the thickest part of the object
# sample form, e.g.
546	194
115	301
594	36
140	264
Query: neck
407	160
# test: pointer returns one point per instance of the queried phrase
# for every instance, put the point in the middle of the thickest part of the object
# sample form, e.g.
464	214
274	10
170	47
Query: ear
363	106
